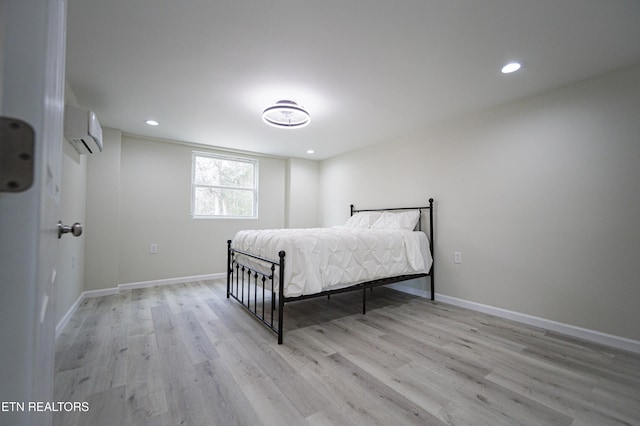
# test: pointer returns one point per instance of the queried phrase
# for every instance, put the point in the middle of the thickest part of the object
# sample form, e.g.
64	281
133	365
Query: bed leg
228	267
431	247
280	318
281	298
364	301
432	286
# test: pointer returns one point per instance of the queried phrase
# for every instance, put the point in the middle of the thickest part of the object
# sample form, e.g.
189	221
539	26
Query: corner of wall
103	213
303	196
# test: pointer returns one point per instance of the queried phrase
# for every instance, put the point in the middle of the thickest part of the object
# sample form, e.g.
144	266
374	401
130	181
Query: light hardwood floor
185	355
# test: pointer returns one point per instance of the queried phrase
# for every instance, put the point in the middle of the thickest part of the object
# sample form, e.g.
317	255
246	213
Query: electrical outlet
457	257
153	248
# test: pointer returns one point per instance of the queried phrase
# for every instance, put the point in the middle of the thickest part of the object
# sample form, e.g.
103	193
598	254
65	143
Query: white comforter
319	259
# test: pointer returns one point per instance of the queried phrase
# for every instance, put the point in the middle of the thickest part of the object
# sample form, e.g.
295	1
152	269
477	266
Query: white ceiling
368	71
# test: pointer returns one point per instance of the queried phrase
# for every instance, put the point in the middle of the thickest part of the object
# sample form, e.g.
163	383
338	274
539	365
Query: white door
32	52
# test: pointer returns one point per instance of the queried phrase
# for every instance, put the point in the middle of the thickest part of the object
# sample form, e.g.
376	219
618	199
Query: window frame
253	161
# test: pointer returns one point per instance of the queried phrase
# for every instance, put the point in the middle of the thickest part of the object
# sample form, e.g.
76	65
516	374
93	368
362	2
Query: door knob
75	229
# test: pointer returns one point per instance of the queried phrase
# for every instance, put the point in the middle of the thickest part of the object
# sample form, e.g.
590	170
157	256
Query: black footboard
256	290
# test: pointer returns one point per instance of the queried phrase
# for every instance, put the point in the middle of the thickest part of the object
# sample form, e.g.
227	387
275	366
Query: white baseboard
570	330
169	281
65	319
410	290
99	293
128	286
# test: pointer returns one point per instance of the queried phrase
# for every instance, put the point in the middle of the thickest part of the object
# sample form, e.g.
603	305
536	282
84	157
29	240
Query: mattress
319	259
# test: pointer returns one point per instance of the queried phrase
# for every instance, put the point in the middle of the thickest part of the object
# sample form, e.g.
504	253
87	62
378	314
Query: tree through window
224	186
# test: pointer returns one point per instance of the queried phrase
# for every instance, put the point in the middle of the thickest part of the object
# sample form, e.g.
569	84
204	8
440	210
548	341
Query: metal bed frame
243	281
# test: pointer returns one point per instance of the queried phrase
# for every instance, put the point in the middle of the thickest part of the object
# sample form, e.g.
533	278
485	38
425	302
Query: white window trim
255	189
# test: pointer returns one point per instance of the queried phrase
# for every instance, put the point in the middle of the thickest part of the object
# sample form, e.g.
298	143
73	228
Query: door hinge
17	145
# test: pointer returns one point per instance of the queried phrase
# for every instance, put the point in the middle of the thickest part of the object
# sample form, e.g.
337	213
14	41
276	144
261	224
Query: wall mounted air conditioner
82	130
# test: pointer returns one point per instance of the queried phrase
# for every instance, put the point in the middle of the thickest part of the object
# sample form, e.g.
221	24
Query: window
223	186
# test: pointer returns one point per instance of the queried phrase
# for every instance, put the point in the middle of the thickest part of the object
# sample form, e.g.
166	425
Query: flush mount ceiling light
152	122
511	67
286	114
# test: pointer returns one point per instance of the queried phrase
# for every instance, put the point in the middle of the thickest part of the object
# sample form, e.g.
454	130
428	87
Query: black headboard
420	209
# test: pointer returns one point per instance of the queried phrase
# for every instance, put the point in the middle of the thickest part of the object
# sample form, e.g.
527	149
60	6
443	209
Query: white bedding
319	259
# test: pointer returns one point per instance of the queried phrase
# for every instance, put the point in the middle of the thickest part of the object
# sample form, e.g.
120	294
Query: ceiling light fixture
152	122
286	114
511	67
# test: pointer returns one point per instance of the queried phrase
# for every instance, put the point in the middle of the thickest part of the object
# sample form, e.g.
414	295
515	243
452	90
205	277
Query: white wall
156	202
139	193
540	196
102	225
303	180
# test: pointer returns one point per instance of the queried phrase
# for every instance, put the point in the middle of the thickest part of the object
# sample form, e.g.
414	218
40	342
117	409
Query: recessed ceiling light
152	122
310	151
511	67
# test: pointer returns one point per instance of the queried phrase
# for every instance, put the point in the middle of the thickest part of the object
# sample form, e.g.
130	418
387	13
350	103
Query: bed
268	268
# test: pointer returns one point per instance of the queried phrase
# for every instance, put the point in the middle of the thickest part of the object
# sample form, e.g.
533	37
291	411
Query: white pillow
405	220
362	219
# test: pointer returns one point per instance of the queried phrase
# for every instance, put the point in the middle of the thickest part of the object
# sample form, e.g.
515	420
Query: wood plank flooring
185	355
